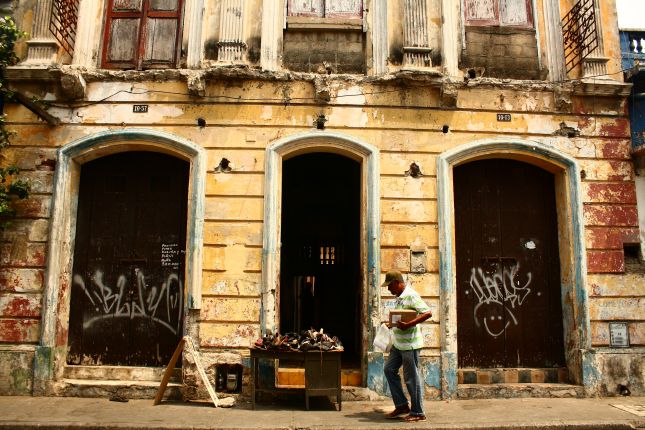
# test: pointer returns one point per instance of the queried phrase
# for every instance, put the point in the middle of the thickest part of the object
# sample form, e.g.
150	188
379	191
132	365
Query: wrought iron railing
63	22
579	33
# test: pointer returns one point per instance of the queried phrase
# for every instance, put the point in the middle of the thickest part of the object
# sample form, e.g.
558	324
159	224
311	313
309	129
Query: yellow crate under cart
322	373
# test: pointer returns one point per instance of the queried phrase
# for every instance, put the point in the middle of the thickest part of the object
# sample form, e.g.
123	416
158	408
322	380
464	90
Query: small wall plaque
504	117
618	335
140	108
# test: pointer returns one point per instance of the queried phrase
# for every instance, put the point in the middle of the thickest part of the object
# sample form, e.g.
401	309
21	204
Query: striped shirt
405	340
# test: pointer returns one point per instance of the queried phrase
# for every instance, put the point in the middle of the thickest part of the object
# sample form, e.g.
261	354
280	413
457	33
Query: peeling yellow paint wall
407	120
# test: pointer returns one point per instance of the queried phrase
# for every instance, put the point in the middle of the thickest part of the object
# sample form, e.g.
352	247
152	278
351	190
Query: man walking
407	344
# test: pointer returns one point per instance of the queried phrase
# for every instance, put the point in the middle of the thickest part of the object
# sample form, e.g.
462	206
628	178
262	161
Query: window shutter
516	13
122	33
352	9
481	12
162	32
313	8
142	33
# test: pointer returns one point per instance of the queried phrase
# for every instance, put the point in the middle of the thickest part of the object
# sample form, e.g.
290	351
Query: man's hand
403	325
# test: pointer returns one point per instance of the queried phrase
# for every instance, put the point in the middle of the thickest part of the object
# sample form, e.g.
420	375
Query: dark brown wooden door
508	273
128	278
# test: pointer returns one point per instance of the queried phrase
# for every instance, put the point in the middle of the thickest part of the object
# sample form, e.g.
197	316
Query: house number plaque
140	108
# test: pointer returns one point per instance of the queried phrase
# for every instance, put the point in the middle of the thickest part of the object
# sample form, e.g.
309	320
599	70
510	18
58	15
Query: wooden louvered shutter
142	34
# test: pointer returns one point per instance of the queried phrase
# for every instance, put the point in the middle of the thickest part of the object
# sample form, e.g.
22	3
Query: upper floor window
511	13
142	34
348	9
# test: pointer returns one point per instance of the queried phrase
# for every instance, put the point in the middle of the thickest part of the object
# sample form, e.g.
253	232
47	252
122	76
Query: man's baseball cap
392	276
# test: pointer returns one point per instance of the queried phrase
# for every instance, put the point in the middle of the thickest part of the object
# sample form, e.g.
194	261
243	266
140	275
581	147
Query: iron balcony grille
579	33
63	23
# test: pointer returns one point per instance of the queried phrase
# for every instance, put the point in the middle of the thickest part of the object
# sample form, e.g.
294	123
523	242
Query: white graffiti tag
164	305
499	288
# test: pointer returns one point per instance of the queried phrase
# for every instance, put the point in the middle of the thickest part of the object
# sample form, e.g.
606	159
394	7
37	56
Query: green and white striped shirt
405	340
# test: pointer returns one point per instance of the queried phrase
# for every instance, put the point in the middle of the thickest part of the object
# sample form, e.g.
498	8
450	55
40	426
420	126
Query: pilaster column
555	44
379	37
87	42
416	52
272	26
195	54
595	64
42	47
231	45
450	37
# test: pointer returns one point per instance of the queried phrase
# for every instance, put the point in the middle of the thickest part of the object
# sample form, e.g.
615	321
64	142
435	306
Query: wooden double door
127	300
508	272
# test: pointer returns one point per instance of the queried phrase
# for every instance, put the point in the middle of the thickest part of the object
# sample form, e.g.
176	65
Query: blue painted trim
445	164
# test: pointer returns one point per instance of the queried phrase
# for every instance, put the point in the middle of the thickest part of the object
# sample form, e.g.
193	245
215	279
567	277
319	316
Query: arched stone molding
575	307
368	156
51	352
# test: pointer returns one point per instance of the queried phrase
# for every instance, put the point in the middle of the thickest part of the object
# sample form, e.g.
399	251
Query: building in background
225	168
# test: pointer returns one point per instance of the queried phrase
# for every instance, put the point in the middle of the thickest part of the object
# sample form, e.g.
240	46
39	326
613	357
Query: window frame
139	50
321	22
496	22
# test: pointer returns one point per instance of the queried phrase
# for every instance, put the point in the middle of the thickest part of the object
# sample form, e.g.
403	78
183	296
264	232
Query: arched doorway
571	251
367	157
320	283
51	353
127	298
509	311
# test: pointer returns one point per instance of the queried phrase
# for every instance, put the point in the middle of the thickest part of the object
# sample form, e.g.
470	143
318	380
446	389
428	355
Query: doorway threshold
124	382
509	391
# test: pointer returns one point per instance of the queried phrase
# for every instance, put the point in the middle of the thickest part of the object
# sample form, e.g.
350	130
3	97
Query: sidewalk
53	413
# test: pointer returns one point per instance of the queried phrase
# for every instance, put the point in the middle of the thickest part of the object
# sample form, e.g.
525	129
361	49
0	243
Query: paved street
75	413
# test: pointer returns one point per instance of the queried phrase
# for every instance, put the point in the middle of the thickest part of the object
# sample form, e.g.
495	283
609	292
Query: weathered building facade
225	168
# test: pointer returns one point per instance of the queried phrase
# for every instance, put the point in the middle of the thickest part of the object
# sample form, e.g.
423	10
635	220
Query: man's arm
403	325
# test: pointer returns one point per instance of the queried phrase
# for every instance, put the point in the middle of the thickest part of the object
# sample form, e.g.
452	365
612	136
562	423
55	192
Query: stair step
507	391
124	388
558	375
117	373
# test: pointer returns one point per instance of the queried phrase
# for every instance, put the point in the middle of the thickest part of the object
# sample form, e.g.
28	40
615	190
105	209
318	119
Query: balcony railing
632	46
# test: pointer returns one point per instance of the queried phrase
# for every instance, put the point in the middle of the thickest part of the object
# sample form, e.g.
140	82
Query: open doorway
320	269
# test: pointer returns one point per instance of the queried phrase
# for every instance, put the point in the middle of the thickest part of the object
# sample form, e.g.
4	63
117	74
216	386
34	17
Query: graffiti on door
501	288
162	305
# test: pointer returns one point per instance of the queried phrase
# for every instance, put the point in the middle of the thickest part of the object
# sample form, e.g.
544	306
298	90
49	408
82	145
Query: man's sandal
414	418
397	412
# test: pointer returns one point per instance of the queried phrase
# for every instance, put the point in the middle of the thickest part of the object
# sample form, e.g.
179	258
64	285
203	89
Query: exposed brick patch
19	330
21	254
610	193
22	305
618	128
605	262
615	148
610	237
502	52
33	207
21	280
601	215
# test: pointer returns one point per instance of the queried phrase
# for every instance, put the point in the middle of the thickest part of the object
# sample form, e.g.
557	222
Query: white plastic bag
383	339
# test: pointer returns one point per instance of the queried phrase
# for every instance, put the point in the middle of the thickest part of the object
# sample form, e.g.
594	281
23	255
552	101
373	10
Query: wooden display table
322	373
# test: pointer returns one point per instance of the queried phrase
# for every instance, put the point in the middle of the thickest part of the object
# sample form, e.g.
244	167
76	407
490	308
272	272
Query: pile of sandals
304	341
